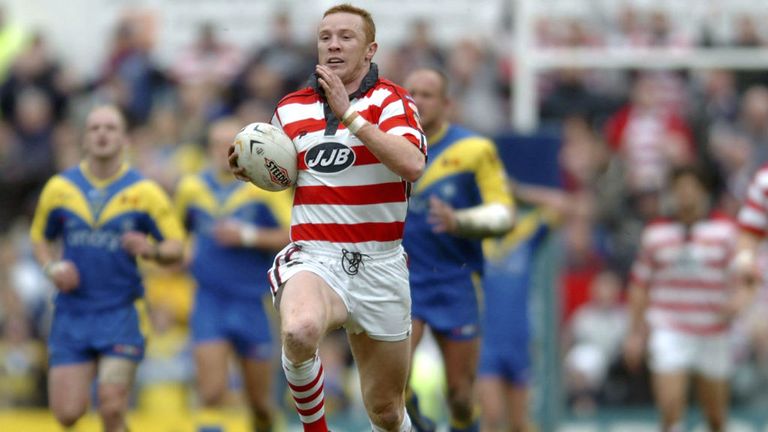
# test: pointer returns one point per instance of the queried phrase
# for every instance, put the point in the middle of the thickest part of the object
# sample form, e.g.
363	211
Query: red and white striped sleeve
753	216
399	116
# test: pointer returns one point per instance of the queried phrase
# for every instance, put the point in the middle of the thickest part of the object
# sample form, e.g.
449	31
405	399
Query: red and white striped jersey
753	216
686	273
345	197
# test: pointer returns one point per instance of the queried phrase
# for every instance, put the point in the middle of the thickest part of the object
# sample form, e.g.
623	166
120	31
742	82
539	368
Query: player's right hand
64	275
238	171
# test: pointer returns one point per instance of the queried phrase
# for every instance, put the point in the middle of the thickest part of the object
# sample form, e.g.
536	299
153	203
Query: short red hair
369	26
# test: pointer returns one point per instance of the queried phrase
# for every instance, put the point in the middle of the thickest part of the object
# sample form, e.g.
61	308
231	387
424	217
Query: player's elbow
414	169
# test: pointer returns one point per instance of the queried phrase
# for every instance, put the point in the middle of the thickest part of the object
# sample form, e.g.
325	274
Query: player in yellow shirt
91	224
462	197
236	228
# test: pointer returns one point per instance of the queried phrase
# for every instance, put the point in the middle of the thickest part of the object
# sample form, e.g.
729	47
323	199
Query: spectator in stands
35	69
290	60
474	84
22	364
648	137
29	156
593	340
209	59
131	75
11	42
419	50
753	125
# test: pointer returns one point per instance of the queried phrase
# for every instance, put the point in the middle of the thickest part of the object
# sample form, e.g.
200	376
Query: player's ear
372	47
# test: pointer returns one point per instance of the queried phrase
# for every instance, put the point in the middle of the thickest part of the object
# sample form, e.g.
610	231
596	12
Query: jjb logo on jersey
329	158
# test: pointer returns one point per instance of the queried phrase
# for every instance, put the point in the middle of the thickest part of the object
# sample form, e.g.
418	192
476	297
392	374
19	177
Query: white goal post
530	60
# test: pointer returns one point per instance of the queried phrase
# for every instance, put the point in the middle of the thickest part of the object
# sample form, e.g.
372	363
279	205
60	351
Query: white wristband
348	113
743	261
248	235
484	220
53	267
358	123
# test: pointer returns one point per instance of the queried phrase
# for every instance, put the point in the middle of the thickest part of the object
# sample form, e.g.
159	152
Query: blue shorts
449	308
80	337
513	365
241	322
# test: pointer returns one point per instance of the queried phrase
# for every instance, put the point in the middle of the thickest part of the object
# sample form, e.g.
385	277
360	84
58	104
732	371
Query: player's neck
104	169
435	131
355	84
689	218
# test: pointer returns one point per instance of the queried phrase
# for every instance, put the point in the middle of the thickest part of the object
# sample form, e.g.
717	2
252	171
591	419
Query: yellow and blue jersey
465	171
508	276
90	216
201	201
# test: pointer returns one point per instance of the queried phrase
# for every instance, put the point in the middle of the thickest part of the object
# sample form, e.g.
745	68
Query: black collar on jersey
331	122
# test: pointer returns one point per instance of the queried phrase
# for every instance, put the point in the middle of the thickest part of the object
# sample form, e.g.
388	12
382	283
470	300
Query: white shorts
674	351
375	291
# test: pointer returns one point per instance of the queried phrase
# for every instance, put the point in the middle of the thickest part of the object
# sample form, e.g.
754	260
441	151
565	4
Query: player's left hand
137	243
227	233
335	93
238	171
441	216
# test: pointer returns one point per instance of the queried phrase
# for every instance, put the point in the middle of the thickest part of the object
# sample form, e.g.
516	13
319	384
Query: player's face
220	137
342	46
690	196
427	89
105	134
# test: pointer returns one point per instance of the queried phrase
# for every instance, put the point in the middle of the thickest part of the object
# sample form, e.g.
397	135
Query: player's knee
113	403
212	395
460	403
301	336
386	415
68	416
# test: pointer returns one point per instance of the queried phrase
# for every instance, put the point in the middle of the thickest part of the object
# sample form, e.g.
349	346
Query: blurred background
552	81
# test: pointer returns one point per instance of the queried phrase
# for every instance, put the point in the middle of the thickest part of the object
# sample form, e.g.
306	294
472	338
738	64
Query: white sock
305	380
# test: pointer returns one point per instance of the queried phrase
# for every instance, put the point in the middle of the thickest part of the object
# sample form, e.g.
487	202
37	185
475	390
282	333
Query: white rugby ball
267	155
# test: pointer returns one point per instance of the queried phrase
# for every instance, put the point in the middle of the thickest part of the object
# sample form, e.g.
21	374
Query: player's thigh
460	357
69	386
713	397
670	390
257	375
211	364
383	368
116	378
417	332
306	298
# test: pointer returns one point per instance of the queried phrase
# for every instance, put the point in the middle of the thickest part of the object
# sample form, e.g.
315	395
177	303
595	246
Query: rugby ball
267	155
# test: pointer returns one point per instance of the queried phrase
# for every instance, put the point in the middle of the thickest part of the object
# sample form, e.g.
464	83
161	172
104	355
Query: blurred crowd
622	132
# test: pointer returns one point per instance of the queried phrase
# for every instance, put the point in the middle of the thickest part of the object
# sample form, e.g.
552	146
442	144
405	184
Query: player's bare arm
396	152
745	272
166	252
63	273
238	234
634	345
